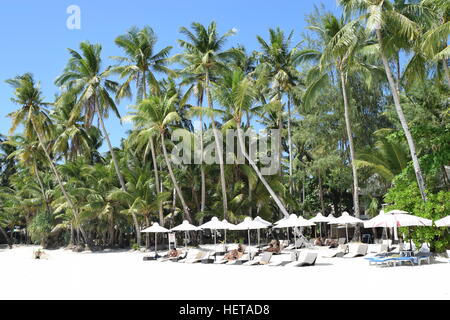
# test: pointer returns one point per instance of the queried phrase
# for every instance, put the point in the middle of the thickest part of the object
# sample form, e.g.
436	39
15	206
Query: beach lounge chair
198	258
304	259
208	258
191	255
360	251
173	259
245	257
339	252
264	260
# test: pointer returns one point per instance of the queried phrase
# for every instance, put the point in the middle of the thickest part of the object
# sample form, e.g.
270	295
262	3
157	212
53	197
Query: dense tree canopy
362	105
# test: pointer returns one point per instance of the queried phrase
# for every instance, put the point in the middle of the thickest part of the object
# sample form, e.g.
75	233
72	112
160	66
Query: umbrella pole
185	240
287	230
215	244
156	248
346	231
249	249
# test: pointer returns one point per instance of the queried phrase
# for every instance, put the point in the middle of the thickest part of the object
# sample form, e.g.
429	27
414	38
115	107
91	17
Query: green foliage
40	227
405	195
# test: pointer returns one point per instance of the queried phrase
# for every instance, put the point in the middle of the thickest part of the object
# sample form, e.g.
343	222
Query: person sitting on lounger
174	253
235	254
318	242
274	246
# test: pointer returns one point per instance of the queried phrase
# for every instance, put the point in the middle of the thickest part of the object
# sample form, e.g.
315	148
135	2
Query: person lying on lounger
274	246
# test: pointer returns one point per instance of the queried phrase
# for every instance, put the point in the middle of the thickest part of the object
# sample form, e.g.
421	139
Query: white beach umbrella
267	223
249	224
214	224
396	218
293	222
444	222
346	219
319	218
155	228
280	221
229	225
331	218
186	226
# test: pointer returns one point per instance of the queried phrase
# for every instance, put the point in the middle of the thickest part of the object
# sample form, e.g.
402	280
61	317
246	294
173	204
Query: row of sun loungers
305	257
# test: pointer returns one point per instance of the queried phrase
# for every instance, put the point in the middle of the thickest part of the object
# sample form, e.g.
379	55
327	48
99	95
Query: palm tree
84	77
33	116
434	40
236	93
389	24
140	63
342	43
203	59
281	60
387	158
159	112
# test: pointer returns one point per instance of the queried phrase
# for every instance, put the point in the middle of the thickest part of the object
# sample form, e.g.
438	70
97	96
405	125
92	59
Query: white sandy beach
124	275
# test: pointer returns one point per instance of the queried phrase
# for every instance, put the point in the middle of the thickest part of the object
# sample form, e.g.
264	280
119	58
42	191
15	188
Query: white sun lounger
340	251
265	259
360	251
304	259
198	258
192	254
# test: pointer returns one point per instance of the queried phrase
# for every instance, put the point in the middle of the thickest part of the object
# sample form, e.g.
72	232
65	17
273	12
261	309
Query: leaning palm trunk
258	172
352	153
116	167
219	152
174	181
58	178
401	116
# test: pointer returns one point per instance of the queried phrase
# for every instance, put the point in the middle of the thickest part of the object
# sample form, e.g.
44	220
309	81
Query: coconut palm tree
341	44
390	24
36	122
280	58
203	59
236	93
160	112
140	62
139	65
84	77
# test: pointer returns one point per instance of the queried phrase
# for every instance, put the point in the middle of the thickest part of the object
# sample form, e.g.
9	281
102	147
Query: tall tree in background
204	55
388	24
84	77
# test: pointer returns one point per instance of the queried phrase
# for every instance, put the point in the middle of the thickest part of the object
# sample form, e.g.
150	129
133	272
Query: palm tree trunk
290	145
116	167
401	116
258	172
41	186
322	203
58	178
202	168
174	181
352	153
157	184
219	152
7	238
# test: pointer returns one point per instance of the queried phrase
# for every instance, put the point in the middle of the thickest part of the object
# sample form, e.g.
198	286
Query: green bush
405	195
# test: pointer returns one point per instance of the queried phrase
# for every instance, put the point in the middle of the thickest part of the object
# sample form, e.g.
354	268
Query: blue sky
35	36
